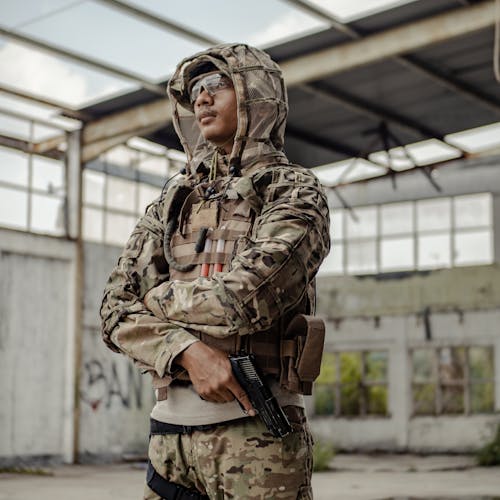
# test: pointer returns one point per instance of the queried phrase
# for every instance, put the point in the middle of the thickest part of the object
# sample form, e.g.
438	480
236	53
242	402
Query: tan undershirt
185	407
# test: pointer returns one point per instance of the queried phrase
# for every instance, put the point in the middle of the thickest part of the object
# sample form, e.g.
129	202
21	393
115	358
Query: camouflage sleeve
127	325
270	276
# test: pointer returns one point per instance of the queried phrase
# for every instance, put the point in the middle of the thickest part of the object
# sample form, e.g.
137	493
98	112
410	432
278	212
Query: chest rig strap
172	212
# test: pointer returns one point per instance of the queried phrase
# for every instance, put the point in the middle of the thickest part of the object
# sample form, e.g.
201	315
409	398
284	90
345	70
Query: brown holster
301	352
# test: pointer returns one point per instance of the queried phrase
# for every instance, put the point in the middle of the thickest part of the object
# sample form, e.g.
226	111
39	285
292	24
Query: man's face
214	103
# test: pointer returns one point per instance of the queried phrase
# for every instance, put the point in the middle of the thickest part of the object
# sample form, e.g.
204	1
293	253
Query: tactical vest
209	232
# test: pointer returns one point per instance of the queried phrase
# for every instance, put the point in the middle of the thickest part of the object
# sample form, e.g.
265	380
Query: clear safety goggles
212	83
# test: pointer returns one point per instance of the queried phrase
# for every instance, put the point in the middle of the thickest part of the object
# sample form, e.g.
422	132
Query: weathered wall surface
38	336
115	399
386	312
400	430
35	346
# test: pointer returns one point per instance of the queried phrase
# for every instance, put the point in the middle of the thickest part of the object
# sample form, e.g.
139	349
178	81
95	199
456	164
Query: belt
158	427
295	415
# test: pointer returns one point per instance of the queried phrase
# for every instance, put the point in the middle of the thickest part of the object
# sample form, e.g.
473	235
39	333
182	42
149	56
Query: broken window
452	380
352	384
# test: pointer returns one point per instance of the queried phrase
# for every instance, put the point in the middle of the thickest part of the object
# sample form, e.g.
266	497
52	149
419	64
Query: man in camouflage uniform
220	264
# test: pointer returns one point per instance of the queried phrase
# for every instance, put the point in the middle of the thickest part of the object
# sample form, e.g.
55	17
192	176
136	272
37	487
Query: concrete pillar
74	327
496	227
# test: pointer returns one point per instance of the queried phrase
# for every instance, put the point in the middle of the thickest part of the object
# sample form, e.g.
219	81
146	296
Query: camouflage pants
241	460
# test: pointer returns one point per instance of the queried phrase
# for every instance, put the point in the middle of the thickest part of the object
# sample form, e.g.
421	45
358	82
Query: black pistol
260	396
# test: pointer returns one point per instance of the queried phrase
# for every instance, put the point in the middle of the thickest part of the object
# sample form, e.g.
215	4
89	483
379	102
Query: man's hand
211	374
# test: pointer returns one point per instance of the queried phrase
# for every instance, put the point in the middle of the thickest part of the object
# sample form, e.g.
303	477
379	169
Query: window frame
363	385
416	235
465	383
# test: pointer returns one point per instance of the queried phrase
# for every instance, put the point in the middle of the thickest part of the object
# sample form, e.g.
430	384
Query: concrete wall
36	346
38	341
400	431
115	399
384	312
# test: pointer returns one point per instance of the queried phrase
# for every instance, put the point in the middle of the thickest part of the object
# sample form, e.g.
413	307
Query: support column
75	310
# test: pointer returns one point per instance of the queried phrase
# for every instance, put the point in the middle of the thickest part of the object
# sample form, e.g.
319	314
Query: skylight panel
260	22
347	10
39	73
117	39
477	139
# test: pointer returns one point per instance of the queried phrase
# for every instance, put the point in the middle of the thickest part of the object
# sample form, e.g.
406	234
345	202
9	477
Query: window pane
147	194
118	228
424	399
120	155
333	262
13	166
14	127
433	214
377	400
324	399
121	194
473	210
13	208
44	132
451	364
482	397
376	363
93	187
365	225
473	247
350	397
423	365
434	251
47	214
328	373
153	164
452	399
361	257
481	363
451	378
337	224
350	390
92	224
397	253
481	372
48	175
396	218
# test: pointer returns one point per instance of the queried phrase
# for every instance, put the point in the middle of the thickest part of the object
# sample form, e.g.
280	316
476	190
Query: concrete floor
354	477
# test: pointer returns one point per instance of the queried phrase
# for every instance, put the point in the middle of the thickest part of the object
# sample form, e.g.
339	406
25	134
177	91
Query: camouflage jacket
150	317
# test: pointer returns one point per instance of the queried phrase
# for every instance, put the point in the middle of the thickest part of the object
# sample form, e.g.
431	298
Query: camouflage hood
261	102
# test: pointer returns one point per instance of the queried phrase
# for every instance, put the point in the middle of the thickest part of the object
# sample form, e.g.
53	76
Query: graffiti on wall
105	384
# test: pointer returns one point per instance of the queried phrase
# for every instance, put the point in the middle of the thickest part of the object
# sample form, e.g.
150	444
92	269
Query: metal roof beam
94	149
454	23
389	43
30	148
161	22
103	133
319	65
87	61
144	115
451	82
29	118
368	109
67	111
329	145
